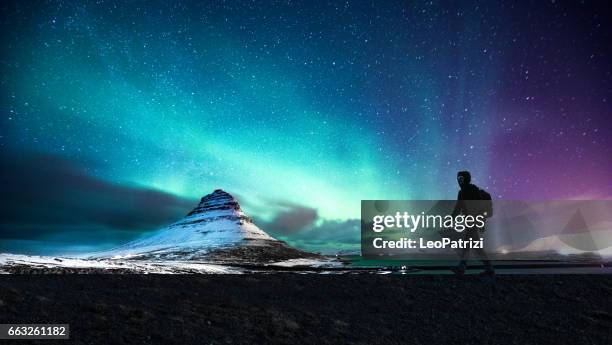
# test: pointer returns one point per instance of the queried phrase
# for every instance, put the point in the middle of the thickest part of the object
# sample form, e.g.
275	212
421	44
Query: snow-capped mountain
216	229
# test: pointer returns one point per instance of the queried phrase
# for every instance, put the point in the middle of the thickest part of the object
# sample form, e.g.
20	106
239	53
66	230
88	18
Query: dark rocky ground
314	309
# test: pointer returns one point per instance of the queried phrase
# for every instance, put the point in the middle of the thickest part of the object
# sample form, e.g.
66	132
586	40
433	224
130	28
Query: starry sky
117	116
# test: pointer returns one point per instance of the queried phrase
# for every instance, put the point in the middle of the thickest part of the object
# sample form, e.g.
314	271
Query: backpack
487	204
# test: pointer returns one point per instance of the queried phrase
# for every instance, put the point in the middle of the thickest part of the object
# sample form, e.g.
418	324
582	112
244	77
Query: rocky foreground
314	309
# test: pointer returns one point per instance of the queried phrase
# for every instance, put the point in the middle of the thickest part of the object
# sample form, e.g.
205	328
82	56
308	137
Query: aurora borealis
300	109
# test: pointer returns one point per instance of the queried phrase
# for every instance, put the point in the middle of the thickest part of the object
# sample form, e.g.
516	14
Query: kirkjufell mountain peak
216	229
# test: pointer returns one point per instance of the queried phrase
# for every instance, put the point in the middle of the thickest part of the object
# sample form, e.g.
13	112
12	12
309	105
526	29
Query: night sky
117	116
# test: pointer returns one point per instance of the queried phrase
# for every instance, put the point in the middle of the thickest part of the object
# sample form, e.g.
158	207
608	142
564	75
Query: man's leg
460	269
483	255
485	260
465	253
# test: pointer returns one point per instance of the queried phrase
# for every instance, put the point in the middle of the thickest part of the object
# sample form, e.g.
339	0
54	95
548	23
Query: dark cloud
43	194
292	220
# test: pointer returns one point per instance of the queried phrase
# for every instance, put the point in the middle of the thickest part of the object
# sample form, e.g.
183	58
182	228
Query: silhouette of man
466	206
